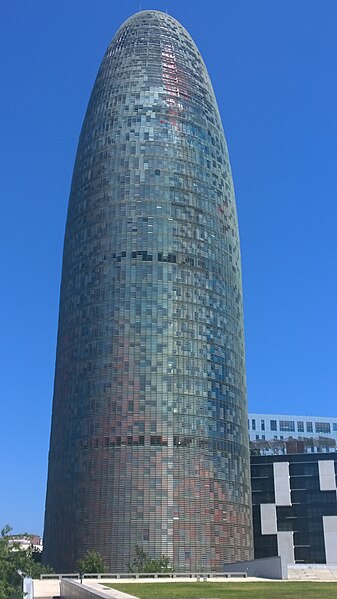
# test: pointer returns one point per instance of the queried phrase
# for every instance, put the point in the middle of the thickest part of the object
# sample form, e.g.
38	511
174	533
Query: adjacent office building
294	494
295	507
149	439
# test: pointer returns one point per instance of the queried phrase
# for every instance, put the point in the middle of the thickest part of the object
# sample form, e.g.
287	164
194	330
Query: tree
139	563
12	559
92	563
146	564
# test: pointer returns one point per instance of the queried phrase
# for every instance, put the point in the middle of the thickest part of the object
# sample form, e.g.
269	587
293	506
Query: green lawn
230	590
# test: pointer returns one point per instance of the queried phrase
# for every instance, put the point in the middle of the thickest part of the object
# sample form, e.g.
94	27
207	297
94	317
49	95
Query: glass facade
149	441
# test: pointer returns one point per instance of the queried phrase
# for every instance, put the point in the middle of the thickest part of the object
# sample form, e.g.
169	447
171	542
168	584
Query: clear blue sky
273	64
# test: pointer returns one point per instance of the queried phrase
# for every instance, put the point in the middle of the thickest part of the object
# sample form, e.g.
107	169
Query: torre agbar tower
149	439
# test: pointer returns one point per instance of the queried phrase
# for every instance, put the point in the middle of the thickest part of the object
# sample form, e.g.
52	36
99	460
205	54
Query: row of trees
93	563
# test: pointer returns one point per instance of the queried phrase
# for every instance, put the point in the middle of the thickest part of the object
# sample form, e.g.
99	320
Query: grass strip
229	590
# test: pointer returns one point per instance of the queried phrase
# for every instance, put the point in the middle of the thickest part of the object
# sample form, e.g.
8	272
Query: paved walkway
45	589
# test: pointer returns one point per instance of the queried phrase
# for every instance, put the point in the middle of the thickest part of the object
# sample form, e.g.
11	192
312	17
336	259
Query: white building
279	426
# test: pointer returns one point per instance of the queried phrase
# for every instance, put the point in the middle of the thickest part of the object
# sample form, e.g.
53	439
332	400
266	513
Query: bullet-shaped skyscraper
149	440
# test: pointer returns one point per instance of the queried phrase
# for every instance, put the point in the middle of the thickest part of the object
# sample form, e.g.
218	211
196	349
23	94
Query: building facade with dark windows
149	440
294	500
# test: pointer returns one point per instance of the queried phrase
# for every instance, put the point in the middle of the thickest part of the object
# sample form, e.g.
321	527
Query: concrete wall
327	479
330	538
268	519
282	483
71	589
285	546
269	567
